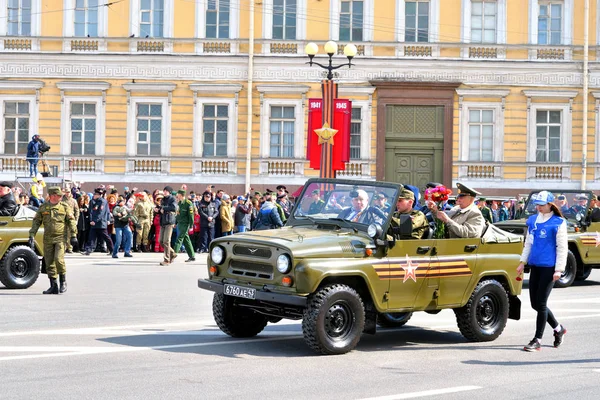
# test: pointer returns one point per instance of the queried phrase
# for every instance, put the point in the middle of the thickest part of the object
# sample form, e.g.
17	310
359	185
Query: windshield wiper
346	223
313	220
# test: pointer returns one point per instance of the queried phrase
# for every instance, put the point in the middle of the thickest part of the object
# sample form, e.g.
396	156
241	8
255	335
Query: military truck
342	277
584	235
19	264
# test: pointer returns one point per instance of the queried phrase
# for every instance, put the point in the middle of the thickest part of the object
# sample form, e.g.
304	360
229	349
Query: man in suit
360	210
464	220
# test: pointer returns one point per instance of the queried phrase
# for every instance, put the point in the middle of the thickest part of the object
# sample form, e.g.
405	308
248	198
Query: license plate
239	291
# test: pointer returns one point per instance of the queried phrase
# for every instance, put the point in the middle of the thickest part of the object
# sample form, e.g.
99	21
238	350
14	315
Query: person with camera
56	216
33	154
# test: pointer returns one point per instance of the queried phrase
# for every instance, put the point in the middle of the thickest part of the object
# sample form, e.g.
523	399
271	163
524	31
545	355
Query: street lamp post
329	90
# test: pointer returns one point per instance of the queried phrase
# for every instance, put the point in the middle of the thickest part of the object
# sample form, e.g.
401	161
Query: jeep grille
251	251
250	269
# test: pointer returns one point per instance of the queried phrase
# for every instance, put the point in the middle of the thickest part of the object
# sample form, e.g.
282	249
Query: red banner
315	121
342	117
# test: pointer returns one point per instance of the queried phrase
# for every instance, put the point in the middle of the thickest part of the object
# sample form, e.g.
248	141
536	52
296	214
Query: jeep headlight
374	230
283	264
217	254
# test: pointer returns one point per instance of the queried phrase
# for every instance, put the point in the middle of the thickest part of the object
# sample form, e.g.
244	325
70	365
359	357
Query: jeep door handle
423	249
470	248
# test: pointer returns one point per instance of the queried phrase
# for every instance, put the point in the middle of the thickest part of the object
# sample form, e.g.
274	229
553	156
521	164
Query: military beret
6	184
181	191
465	190
406	194
54	190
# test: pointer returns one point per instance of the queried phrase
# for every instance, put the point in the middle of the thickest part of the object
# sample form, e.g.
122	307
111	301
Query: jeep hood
308	242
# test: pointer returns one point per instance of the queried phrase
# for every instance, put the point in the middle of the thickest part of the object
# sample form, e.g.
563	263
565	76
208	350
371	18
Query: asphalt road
136	330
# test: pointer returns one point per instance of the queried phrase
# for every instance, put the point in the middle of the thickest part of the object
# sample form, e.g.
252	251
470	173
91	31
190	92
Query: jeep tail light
213	270
286	281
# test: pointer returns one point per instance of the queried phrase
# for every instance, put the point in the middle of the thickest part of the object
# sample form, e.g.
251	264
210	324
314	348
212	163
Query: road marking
425	393
82	351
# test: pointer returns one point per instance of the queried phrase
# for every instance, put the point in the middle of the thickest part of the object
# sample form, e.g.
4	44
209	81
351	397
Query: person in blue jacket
33	155
545	252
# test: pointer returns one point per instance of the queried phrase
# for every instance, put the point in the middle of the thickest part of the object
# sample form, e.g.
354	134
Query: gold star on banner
410	270
326	134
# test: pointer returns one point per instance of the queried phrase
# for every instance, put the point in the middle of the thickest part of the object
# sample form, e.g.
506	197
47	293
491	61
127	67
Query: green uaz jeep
343	268
584	235
19	264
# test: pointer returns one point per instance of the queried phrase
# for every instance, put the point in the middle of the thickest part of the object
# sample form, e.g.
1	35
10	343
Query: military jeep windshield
345	203
571	203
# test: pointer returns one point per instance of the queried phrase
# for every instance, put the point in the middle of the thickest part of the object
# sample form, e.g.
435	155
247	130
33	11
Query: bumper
288	299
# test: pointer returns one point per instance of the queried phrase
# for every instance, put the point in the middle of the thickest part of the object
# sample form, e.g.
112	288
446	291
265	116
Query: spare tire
19	268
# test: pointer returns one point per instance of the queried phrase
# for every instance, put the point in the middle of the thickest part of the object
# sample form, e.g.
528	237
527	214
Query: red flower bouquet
439	195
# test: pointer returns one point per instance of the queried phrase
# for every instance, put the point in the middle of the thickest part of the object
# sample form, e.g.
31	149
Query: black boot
63	283
53	289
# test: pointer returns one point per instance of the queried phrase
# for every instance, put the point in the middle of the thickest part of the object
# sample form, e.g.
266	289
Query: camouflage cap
55	190
407	194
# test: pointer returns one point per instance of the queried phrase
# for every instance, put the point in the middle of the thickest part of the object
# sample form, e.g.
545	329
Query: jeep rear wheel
568	276
19	268
235	320
334	320
484	316
393	320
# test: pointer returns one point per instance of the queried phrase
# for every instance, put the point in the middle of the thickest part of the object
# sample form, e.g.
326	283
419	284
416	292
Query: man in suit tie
360	210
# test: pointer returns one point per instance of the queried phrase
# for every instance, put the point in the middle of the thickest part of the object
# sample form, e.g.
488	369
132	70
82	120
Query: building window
548	127
83	128
481	135
19	17
149	129
217	19
355	133
351	20
215	119
550	24
16	127
483	21
284	19
86	18
281	130
417	21
151	18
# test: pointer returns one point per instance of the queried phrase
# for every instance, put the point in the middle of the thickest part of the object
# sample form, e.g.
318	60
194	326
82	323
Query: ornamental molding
149	87
347	90
283	89
21	85
213	88
483	93
82	86
551	94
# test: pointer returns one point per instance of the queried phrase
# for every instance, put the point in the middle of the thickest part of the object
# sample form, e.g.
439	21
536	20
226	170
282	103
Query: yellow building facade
488	93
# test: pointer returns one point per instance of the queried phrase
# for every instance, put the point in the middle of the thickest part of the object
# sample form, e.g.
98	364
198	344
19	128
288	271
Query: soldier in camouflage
143	211
56	216
72	203
405	206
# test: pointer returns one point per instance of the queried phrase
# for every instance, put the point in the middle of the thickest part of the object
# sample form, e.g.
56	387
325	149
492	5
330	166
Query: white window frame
500	22
567	22
565	132
299	133
36	18
335	7
165	137
546	125
65	123
168	22
33	115
234	19
498	129
365	129
69	19
301	18
232	131
434	21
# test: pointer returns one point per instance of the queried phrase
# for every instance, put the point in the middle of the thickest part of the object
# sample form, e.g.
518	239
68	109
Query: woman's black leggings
540	286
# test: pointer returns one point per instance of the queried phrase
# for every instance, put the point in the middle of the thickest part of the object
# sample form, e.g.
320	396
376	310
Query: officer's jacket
55	218
465	223
99	213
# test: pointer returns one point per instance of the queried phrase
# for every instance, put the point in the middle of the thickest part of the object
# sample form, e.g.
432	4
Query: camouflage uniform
143	212
56	218
72	203
419	223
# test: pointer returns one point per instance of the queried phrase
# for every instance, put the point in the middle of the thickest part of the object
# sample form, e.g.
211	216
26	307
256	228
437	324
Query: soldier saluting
56	216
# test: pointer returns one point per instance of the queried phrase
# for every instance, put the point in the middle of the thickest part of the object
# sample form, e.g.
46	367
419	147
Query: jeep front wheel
333	320
235	320
19	268
393	320
568	276
484	316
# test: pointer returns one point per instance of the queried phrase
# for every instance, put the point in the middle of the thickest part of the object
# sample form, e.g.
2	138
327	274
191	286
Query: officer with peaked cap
464	220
